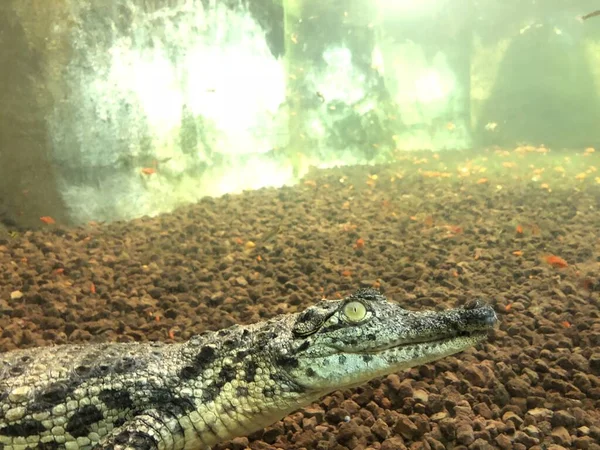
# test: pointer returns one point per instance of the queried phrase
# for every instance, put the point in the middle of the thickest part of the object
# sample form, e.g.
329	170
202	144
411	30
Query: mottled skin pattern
218	385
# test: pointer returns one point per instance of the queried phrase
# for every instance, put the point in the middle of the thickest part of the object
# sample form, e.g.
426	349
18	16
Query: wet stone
595	432
364	396
316	412
336	415
424	445
586	443
393	443
239	443
583	431
532	375
464	434
348	432
435	444
367	417
540	413
463	408
406	427
518	387
534	401
475	375
448	428
510	416
494	427
563	418
421	396
350	406
525	439
532	431
156	292
483	434
393	381
241	281
271	434
422	423
420	408
582	381
405	389
579	362
439	416
561	436
520	403
309	423
290	423
479	444
541	366
435	403
503	441
381	429
306	438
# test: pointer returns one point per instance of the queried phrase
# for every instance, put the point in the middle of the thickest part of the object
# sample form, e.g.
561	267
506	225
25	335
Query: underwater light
430	87
405	6
255	173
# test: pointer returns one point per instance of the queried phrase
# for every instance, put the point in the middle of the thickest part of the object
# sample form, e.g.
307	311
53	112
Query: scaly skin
218	385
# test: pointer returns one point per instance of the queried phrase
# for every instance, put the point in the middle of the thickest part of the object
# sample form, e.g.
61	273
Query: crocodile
219	384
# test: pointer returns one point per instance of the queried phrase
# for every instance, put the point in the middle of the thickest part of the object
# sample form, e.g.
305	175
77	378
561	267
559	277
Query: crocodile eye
355	311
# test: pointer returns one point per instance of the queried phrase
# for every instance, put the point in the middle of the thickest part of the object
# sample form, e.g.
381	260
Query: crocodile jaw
353	369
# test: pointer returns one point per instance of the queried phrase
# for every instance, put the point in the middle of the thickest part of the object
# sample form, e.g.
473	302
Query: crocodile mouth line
477	334
439	340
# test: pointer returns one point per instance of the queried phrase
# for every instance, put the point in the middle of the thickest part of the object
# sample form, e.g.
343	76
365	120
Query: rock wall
131	107
31	58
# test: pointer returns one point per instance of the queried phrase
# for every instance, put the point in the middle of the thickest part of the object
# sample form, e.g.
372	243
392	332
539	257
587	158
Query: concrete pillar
32	56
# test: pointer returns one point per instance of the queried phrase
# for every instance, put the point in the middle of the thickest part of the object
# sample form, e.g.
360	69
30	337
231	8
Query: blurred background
116	109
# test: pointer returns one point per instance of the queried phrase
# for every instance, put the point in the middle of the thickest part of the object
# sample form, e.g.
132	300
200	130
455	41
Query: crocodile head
345	343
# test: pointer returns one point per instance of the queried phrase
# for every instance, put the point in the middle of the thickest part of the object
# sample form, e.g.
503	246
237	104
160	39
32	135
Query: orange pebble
556	261
360	243
47	220
566	324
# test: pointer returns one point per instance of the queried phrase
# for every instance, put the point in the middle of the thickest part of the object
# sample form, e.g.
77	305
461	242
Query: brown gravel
430	232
